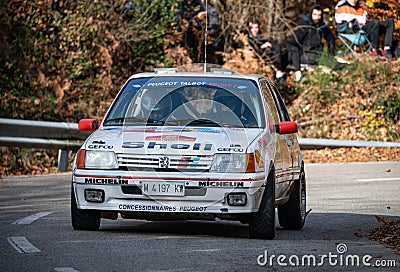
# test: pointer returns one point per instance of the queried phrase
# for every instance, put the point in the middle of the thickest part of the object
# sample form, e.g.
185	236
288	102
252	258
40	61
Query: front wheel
262	224
292	214
83	219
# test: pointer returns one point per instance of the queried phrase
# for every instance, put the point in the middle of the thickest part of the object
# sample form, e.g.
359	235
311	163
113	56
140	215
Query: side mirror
286	127
88	124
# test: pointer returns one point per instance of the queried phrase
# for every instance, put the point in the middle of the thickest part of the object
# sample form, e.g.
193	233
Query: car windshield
188	101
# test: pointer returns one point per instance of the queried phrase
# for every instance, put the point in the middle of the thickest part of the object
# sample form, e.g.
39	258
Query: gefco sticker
230	149
100	146
160	208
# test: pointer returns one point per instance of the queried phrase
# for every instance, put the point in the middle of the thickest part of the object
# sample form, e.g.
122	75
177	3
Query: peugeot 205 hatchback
179	145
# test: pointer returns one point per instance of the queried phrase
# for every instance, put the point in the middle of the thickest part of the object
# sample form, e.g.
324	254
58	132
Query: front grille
165	163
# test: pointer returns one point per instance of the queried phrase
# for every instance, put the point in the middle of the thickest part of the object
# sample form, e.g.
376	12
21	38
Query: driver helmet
156	105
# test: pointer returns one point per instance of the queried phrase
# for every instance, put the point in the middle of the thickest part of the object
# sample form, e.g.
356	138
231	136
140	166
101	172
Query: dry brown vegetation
63	61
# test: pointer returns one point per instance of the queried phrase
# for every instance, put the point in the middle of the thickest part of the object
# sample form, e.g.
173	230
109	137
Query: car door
283	161
291	139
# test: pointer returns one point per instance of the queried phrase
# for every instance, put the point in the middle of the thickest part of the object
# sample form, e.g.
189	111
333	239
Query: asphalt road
36	233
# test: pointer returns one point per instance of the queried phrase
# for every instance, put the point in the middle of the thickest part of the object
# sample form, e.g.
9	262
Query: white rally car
179	145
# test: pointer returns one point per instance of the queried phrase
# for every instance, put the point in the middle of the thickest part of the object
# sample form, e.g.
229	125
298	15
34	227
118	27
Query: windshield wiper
133	120
201	122
153	121
193	122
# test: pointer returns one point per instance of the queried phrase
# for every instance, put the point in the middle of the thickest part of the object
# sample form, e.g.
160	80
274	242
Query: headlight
229	163
97	159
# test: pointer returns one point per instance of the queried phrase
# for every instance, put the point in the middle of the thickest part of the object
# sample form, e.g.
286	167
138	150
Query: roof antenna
205	38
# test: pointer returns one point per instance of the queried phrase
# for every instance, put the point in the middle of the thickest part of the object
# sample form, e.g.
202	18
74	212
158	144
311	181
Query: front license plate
163	188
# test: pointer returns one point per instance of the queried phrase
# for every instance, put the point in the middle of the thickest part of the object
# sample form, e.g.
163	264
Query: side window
281	105
272	109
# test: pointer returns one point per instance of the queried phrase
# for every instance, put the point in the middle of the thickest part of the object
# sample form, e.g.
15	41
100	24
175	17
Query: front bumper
205	193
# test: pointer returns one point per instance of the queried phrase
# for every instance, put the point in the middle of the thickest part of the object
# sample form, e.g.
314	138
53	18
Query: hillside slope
66	60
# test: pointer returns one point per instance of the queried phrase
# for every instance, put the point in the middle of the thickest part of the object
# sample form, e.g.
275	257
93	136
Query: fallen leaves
388	233
245	60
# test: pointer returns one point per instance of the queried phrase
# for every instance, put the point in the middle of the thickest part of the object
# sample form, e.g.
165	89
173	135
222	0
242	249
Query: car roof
214	73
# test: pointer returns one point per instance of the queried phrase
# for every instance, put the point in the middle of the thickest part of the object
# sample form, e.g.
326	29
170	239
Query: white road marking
169	237
22	245
378	179
29	219
207	250
65	269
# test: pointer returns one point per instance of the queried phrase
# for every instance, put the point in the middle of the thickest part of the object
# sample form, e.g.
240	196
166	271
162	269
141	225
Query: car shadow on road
319	226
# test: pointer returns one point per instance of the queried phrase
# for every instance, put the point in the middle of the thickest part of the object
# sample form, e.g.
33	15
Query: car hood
172	140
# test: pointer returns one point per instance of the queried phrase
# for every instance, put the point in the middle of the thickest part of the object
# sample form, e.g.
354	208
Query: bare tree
277	17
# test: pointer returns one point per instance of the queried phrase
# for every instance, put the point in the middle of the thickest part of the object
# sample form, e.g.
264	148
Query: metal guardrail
40	129
314	143
66	136
43	134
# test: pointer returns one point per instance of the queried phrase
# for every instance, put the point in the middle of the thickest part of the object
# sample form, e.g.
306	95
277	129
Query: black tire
83	219
262	224
292	213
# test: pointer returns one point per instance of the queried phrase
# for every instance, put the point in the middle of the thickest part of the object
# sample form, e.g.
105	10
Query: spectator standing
350	16
305	44
266	49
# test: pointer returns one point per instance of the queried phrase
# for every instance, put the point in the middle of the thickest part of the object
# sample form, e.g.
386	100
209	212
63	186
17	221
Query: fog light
94	195
237	199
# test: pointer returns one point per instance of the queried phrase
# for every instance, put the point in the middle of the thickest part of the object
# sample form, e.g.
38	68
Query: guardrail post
62	160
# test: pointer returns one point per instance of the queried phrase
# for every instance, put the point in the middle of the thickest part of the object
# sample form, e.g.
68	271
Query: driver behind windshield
231	110
156	107
160	106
